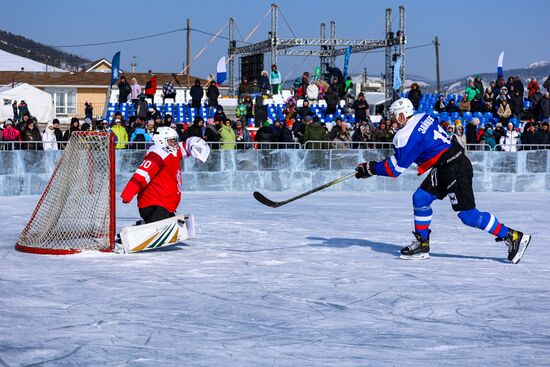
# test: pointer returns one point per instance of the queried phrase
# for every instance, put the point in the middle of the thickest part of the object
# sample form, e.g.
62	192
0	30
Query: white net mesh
75	211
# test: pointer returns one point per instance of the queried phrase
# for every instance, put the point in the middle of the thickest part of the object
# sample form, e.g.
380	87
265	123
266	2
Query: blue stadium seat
467	116
488	115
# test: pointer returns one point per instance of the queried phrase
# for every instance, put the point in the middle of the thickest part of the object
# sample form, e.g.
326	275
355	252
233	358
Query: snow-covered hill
538	64
540	70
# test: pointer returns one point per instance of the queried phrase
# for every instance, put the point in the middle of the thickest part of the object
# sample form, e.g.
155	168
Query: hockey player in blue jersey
423	141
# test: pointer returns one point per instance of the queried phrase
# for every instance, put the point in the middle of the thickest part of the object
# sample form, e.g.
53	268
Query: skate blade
423	256
525	240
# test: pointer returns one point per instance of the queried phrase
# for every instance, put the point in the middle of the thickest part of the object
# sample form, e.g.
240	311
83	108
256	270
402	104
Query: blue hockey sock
422	212
483	220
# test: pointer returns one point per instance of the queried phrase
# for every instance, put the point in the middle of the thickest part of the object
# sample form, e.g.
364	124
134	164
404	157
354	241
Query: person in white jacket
509	142
312	92
48	137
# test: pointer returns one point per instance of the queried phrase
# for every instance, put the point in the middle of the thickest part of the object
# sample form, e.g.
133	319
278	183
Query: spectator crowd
498	116
502	116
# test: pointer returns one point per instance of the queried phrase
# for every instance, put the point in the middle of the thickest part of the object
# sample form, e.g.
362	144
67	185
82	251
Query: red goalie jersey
157	181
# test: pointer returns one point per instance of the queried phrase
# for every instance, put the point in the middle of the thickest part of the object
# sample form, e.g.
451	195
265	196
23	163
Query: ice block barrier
27	172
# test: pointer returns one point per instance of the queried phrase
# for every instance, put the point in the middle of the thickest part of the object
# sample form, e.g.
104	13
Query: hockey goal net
76	212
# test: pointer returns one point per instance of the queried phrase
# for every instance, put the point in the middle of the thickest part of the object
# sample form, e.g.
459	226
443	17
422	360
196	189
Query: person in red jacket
532	86
151	87
157	181
10	134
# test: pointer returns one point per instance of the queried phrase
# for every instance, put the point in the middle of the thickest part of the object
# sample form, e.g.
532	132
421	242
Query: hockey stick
275	204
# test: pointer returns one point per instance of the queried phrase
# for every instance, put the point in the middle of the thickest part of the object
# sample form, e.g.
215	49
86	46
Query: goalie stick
275	204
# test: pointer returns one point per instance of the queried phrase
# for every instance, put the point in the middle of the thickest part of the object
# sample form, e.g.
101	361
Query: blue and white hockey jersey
422	141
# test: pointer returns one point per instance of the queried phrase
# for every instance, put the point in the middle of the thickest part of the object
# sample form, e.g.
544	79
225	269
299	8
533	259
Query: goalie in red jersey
157	181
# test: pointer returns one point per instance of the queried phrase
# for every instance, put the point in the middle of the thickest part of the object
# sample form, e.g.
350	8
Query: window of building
64	100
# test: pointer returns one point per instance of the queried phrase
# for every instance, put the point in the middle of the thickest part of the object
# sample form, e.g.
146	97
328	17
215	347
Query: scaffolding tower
394	44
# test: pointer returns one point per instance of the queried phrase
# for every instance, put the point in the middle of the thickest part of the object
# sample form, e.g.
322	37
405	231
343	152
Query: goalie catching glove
198	148
365	169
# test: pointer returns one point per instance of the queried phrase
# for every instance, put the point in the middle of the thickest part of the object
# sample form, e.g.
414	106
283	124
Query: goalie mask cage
76	211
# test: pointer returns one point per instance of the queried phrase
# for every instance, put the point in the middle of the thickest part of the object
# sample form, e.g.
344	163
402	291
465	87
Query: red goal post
76	211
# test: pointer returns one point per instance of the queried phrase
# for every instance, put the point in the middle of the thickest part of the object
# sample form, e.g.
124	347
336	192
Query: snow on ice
314	283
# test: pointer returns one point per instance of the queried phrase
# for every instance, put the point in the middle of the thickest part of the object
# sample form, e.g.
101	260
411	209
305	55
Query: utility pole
188	53
133	64
438	85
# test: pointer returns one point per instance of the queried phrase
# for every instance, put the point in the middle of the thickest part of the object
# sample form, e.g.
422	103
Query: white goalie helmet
198	148
163	134
402	105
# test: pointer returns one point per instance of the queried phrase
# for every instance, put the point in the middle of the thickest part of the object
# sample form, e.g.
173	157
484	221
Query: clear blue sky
471	33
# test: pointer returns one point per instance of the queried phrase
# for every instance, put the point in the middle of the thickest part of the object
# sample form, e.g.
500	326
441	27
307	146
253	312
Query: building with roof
100	66
70	90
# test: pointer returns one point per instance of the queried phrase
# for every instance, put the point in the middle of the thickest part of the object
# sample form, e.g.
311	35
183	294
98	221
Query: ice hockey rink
317	282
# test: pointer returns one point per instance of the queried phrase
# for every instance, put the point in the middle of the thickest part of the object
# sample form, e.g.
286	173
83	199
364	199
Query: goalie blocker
156	235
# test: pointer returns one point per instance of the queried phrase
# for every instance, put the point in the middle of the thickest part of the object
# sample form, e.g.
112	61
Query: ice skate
517	243
419	249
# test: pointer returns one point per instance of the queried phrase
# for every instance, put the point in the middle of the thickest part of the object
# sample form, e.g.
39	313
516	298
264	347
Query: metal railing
478	147
239	145
27	145
262	145
311	144
521	147
345	145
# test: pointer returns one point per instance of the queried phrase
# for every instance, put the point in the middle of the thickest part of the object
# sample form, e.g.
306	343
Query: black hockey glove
365	169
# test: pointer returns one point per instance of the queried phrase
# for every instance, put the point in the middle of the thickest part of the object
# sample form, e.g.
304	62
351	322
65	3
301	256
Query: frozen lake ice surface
317	282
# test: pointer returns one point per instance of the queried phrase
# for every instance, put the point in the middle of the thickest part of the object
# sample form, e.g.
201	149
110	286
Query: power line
125	40
406	48
210	34
141	38
288	25
239	31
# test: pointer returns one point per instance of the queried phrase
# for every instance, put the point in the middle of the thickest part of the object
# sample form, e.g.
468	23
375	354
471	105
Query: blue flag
221	72
397	75
346	61
115	69
500	64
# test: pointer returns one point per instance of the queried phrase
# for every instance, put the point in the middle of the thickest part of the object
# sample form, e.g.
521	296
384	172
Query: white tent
39	102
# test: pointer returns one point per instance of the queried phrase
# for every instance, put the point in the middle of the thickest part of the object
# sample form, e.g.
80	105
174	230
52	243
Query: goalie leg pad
155	235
